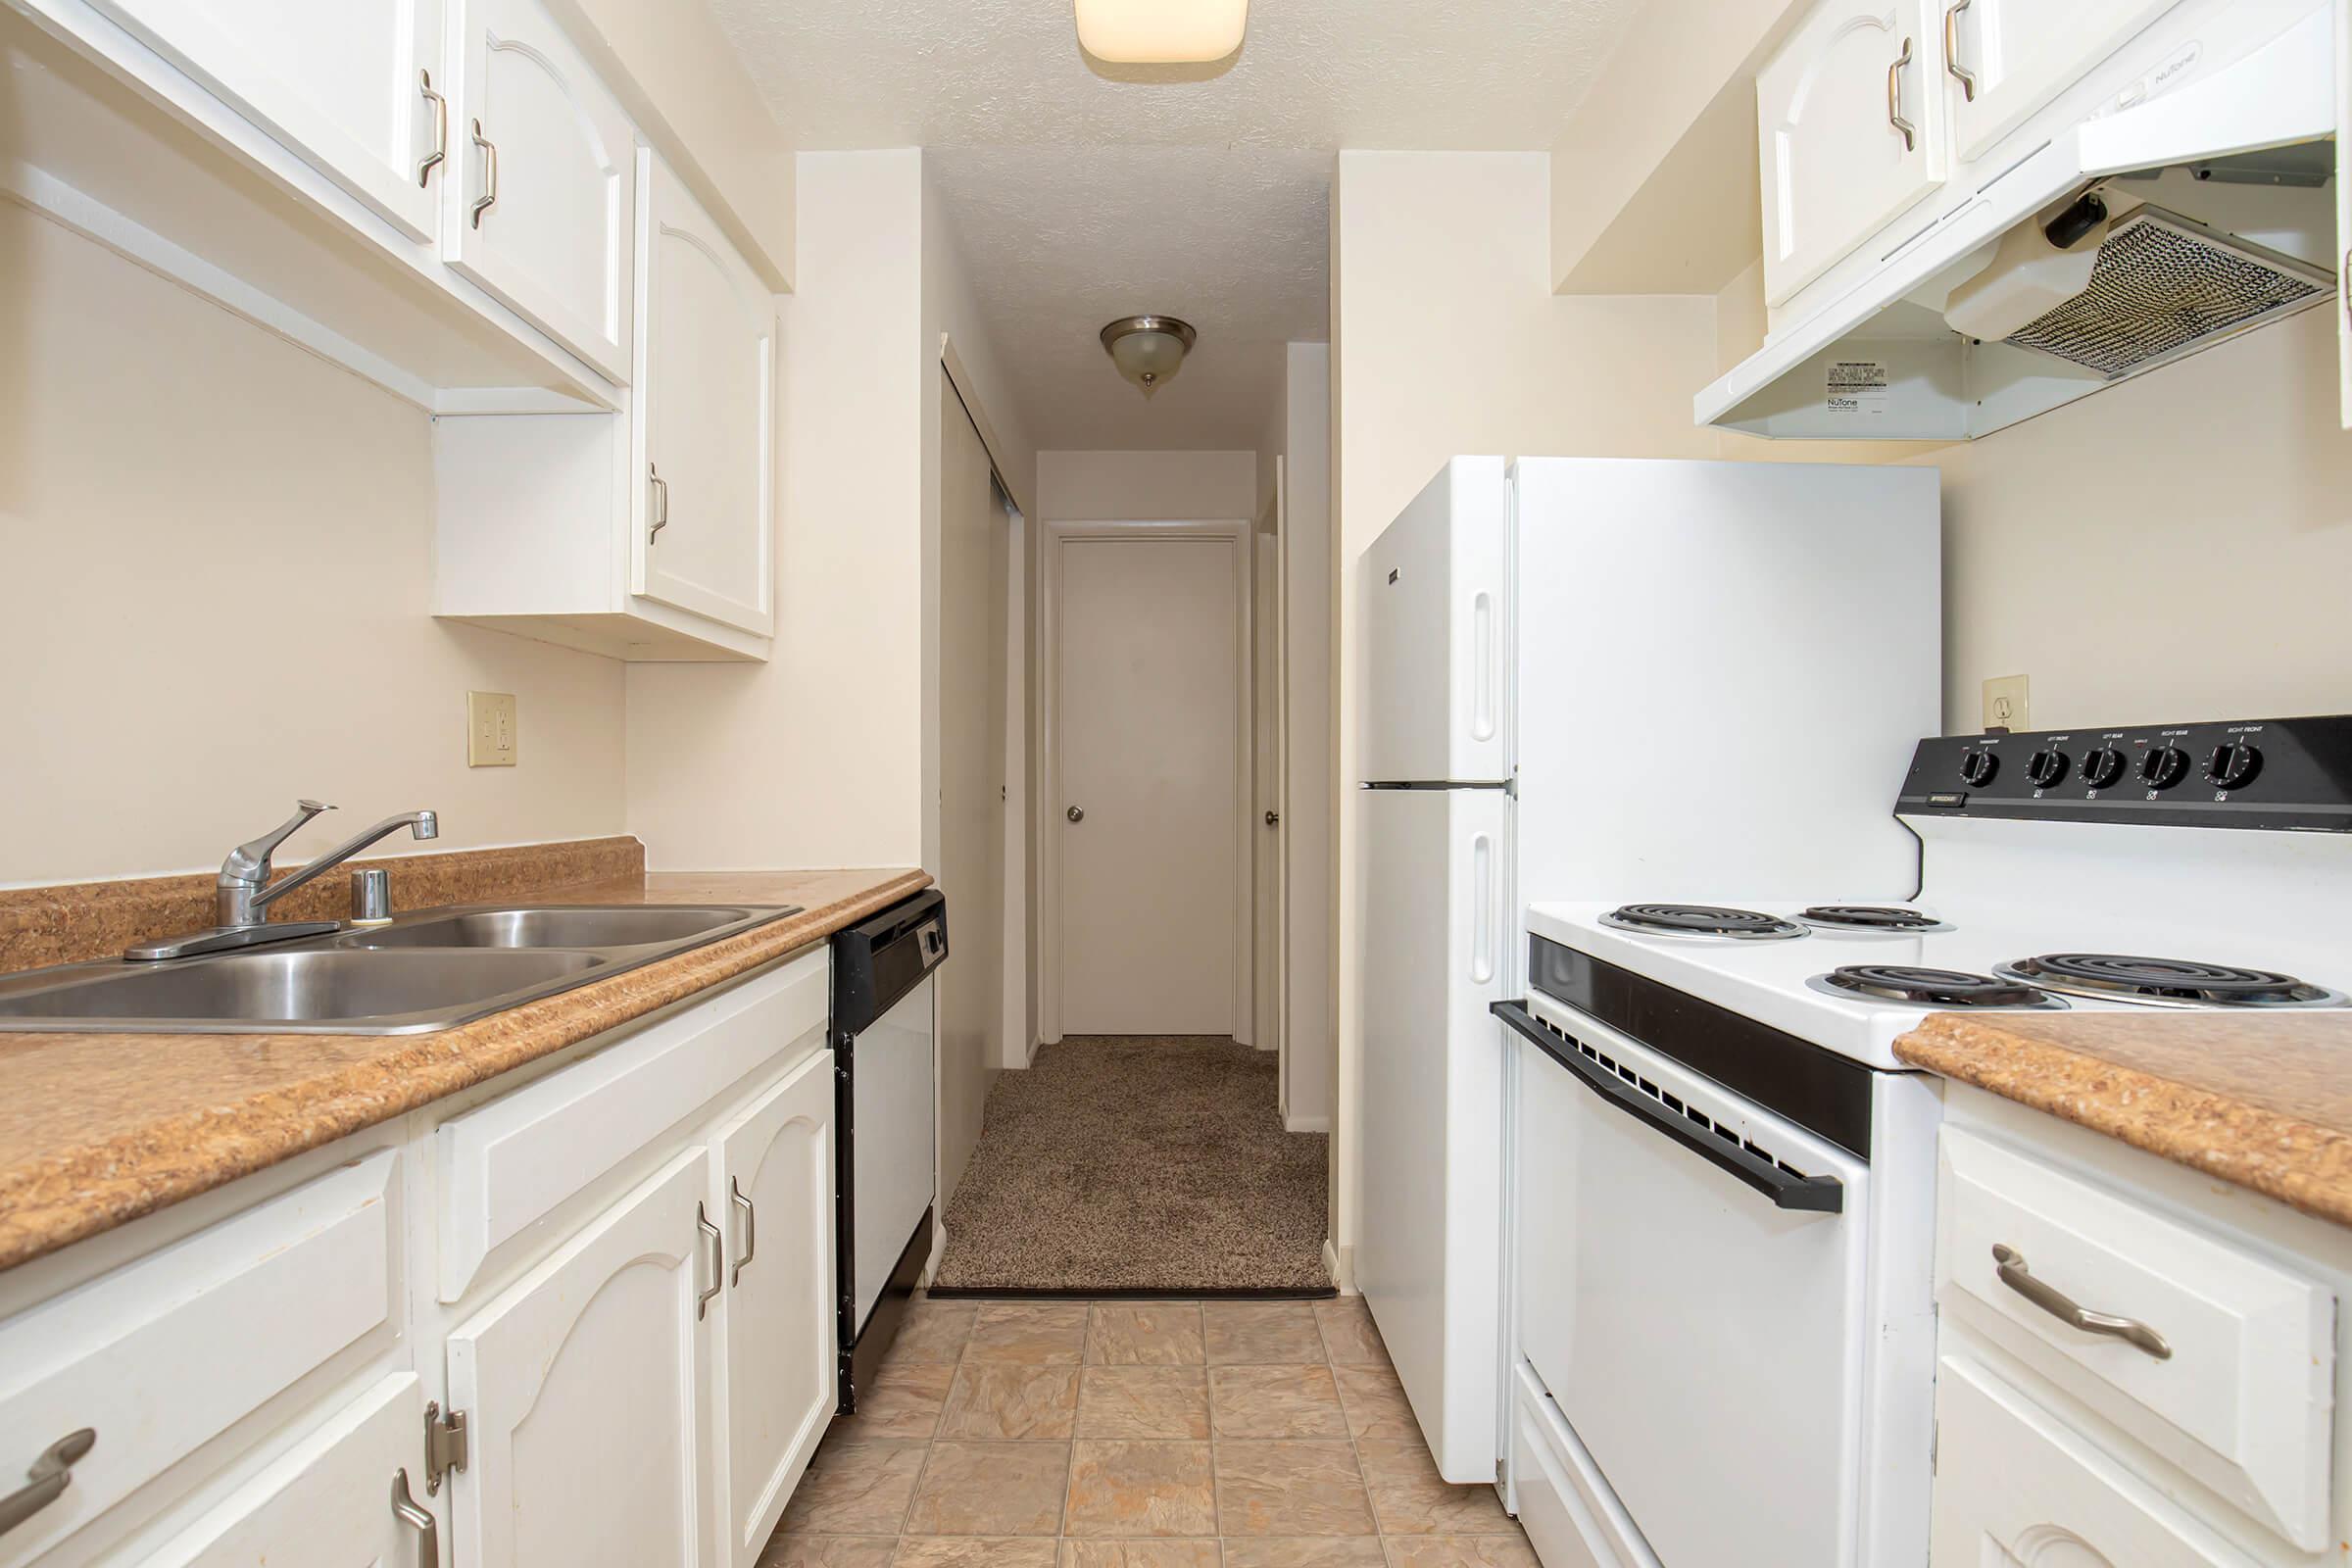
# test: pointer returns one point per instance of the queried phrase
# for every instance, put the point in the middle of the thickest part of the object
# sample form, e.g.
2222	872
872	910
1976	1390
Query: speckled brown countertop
96	1130
2264	1100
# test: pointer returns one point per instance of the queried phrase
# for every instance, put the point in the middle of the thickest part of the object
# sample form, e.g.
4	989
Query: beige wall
816	757
1307	811
2176	547
1449	339
1145	487
220	567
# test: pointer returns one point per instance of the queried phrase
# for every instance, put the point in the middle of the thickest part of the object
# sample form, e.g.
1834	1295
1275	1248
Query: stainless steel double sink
426	970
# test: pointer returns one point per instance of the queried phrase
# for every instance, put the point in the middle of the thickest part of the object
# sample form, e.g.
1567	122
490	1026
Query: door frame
1234	532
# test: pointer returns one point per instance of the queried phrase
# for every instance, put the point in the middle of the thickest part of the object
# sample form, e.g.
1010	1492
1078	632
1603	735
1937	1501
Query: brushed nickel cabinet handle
719	1261
2346	272
2132	1331
750	1228
661	503
1951	50
440	151
489	196
46	1482
1894	99
428	1530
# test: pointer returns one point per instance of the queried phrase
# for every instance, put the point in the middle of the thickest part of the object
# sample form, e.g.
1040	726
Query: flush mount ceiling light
1149	349
1162	31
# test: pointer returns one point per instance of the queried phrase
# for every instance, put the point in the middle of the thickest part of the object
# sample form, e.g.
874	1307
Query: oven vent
1674	1103
2164	287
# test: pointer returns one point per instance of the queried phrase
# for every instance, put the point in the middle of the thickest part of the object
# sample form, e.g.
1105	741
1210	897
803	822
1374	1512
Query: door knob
1273	819
1076	813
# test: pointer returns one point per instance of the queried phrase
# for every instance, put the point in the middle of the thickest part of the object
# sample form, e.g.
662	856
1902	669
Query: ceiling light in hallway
1149	349
1162	31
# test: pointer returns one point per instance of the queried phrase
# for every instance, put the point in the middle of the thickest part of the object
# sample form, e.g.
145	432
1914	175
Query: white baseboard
1339	1263
1307	1124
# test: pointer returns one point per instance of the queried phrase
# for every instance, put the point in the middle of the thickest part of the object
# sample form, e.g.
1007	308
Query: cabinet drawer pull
2132	1331
718	1260
1894	99
750	1228
47	1480
661	503
489	196
1951	50
2346	270
428	1530
440	151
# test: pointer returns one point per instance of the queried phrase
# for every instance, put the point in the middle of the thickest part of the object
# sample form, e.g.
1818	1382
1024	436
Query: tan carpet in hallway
1138	1162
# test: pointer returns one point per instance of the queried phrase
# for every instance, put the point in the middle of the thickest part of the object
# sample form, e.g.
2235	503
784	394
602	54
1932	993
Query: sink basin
578	926
380	991
432	969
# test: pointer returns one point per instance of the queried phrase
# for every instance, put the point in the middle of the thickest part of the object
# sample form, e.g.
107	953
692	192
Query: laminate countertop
2263	1099
99	1129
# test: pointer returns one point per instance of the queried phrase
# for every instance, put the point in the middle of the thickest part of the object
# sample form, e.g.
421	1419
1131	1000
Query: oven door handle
1819	1195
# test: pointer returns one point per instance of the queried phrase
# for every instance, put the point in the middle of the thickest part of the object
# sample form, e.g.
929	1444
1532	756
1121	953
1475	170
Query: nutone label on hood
1857	388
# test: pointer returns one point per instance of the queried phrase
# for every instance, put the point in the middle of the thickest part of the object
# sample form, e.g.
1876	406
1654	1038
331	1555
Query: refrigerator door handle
1484	633
1481	916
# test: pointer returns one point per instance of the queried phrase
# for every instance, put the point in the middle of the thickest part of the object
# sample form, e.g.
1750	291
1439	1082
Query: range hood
2126	243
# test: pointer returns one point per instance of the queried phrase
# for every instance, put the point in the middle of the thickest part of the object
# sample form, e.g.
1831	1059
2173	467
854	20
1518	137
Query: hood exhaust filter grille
2163	287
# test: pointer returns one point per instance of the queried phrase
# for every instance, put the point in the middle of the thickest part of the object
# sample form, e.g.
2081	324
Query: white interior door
706	414
2011	56
354	89
583	1386
1148	671
543	216
1832	110
778	1365
1265	833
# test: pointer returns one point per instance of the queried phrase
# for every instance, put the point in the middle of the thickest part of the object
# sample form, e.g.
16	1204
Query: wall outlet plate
490	729
2007	703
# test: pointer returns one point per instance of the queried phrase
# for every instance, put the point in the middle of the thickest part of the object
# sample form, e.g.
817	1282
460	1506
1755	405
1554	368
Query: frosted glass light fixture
1162	31
1149	349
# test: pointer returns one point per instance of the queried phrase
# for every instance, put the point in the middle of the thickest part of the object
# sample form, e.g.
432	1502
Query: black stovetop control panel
2274	773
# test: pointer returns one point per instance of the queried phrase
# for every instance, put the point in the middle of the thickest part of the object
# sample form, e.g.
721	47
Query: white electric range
1723	1178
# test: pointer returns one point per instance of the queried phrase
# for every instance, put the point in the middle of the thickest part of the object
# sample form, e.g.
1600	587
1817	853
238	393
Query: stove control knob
2232	766
2102	767
1976	768
2046	768
2163	767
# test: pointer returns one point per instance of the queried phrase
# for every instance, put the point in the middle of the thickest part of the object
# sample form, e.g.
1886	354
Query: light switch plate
489	729
2007	703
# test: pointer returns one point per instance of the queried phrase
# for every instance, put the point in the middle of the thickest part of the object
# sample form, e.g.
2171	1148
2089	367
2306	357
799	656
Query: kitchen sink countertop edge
98	1129
2260	1100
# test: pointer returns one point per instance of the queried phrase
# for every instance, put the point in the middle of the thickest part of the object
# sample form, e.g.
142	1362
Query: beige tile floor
1136	1434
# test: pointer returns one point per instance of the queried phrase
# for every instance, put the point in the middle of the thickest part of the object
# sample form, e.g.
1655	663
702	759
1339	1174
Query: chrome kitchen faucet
243	893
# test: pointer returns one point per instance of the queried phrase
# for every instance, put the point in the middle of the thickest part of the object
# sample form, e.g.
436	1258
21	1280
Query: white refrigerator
1590	679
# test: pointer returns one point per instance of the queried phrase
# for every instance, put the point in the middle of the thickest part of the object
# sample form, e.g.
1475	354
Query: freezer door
1437	937
1435	601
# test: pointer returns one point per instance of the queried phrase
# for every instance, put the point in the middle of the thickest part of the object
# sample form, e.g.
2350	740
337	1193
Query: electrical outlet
2007	703
489	729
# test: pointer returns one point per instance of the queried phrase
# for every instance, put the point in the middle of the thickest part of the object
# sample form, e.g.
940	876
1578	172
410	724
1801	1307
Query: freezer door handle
1484	659
1821	1194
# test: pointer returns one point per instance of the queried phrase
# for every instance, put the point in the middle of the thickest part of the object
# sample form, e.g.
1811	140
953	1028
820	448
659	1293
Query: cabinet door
779	1356
2015	1486
1831	111
333	1500
353	89
2011	56
582	1386
706	414
542	217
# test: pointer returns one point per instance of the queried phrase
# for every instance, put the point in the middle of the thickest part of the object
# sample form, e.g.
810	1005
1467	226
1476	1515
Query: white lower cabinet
583	1393
778	1371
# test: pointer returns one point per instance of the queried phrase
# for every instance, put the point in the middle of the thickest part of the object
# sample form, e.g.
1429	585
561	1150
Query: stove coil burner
1870	918
1702	920
1932	988
2173	982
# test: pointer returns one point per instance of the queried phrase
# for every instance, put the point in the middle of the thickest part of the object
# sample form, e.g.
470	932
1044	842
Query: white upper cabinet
542	215
1850	132
353	89
2007	58
778	1360
705	424
584	1391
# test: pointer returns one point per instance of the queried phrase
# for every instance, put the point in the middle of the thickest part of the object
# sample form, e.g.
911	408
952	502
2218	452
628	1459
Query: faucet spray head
426	826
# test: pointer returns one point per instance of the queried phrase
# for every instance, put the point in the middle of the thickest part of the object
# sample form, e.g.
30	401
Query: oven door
1692	1294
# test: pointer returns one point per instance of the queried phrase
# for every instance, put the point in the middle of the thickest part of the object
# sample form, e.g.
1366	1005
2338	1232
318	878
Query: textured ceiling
1079	191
